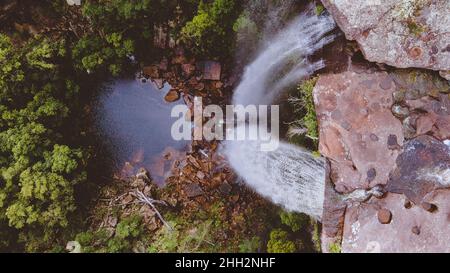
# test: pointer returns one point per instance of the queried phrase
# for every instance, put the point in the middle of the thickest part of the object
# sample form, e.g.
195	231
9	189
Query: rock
445	74
422	168
433	115
400	33
211	70
225	188
73	2
159	83
400	111
188	69
200	175
172	96
143	174
151	71
353	111
363	230
193	190
384	216
112	221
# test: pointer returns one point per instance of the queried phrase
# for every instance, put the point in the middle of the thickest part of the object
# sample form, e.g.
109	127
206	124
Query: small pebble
384	216
429	207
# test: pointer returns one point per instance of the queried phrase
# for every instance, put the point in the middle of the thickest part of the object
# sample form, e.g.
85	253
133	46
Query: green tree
38	171
211	29
295	221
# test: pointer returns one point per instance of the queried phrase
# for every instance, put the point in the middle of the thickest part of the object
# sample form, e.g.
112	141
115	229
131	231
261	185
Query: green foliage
38	172
334	248
93	53
250	245
319	9
127	230
280	243
211	29
295	221
303	103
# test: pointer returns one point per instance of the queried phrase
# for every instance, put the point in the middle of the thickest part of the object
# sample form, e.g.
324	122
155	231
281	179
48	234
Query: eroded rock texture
387	129
400	33
410	230
358	132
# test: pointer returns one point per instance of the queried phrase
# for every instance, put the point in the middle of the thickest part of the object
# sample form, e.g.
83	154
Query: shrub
295	221
279	242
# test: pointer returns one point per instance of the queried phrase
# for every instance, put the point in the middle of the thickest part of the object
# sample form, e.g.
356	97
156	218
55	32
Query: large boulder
400	33
358	132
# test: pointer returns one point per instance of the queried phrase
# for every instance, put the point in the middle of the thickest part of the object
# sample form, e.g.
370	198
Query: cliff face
388	127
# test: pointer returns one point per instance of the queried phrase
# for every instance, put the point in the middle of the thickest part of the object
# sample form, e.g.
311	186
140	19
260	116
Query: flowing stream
290	176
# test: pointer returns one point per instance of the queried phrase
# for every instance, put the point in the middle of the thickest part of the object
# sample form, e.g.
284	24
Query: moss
334	248
319	9
415	28
279	242
316	236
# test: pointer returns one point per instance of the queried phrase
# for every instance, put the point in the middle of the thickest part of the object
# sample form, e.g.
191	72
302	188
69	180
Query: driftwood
149	201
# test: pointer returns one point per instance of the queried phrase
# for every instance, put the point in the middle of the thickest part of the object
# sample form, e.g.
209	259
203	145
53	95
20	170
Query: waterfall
290	176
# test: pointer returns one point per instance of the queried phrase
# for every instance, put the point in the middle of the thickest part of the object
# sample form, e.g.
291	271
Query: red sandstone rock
355	123
384	216
364	233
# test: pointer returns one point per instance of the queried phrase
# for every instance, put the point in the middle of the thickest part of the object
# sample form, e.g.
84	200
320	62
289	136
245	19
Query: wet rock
159	83
193	190
355	122
400	33
400	111
172	96
384	216
422	168
151	71
211	70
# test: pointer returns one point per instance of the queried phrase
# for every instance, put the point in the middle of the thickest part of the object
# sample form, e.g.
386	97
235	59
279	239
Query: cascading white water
289	176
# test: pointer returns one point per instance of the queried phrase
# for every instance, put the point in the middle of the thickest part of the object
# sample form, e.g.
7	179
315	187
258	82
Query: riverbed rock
411	230
172	96
423	167
211	70
355	124
151	71
400	33
193	190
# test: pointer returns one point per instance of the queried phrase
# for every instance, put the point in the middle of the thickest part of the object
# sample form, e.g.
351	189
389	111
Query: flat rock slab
357	128
410	230
423	167
401	33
